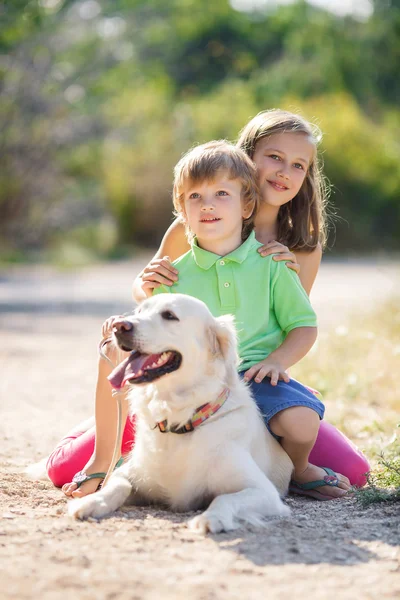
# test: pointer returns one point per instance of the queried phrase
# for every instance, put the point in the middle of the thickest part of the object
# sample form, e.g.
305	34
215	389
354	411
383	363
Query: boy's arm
289	300
296	319
295	346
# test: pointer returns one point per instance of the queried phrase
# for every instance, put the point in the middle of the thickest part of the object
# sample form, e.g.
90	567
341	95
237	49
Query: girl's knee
54	469
358	471
333	449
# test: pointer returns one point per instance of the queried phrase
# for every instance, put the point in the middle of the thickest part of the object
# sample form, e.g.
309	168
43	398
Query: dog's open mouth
144	368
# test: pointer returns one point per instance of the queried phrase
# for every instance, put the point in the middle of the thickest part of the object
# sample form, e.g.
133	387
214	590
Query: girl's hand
106	328
267	368
159	271
283	252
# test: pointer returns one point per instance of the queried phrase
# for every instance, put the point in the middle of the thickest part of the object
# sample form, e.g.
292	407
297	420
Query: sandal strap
330	479
81	477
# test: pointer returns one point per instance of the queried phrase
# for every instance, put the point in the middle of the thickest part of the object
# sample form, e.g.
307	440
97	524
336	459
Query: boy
216	196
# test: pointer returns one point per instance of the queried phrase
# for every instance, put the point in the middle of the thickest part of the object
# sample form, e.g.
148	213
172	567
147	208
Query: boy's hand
283	253
267	368
106	328
158	272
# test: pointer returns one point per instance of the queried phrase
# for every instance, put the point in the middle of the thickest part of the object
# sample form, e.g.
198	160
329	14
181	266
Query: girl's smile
278	186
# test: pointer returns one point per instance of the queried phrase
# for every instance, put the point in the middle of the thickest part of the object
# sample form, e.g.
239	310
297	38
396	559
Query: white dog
185	360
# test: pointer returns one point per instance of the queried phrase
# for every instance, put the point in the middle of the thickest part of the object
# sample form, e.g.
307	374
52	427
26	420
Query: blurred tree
98	100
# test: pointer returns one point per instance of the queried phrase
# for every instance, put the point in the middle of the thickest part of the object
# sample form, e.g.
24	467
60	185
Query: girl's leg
99	443
333	449
297	427
76	448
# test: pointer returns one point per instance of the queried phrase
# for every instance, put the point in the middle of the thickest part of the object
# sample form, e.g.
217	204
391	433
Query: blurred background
100	98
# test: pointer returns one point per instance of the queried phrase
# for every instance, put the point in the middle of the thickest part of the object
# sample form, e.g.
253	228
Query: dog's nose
122	326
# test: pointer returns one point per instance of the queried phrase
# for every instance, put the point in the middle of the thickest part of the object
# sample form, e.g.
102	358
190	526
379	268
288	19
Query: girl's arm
159	270
309	264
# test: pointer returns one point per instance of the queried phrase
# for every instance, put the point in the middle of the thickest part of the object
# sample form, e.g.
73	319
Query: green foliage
99	100
384	482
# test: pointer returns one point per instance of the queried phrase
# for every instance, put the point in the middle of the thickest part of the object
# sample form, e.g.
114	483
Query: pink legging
331	449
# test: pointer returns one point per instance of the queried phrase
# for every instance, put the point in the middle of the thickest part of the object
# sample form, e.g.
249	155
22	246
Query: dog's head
174	337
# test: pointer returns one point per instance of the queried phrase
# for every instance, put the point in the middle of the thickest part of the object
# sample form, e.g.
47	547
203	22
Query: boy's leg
297	427
332	448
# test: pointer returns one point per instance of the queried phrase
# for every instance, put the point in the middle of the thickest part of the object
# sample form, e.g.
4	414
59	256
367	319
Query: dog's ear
223	342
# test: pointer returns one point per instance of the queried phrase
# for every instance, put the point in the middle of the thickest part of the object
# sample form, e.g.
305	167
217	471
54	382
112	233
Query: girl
291	215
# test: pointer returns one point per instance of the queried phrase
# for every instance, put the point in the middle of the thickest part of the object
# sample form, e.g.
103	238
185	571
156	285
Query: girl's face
282	162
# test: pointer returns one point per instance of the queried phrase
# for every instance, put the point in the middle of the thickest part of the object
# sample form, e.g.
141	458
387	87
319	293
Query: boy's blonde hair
302	221
202	163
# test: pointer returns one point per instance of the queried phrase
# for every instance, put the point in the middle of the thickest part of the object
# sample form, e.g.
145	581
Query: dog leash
117	395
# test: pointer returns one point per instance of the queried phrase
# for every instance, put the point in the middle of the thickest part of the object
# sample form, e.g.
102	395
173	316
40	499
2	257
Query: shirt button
226	284
222	262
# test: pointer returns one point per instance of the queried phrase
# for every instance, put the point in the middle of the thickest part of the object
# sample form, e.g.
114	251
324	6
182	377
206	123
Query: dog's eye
169	316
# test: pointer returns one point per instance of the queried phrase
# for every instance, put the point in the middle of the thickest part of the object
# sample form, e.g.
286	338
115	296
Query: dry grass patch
356	368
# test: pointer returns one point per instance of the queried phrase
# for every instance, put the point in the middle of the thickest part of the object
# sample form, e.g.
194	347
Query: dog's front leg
243	494
105	501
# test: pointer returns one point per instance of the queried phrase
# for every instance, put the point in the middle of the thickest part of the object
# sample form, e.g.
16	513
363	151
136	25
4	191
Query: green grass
384	481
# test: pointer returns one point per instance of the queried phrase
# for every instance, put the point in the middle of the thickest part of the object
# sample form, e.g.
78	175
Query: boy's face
282	162
215	211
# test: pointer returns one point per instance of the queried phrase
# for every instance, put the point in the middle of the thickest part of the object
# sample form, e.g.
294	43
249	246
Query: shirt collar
205	260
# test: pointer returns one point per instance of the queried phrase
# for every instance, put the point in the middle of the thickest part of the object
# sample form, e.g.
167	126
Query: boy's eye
194	195
222	193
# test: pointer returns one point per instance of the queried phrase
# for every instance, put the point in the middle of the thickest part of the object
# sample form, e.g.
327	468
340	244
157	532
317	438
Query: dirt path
49	326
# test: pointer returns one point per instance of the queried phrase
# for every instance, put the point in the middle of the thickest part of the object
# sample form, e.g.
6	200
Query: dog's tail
37	471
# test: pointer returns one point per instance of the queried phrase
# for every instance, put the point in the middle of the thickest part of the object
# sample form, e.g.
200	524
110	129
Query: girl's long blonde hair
302	222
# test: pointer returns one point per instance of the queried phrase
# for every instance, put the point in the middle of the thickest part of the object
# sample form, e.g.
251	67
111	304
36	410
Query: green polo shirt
265	296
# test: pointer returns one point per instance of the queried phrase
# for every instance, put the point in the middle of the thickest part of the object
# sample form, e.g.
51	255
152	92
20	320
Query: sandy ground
49	325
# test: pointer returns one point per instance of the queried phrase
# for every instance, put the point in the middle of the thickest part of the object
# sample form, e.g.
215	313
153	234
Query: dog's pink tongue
127	370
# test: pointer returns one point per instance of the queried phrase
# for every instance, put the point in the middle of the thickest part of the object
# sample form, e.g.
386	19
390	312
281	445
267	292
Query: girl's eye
299	166
275	157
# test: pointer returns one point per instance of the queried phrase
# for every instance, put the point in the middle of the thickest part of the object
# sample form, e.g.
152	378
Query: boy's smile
214	211
209	219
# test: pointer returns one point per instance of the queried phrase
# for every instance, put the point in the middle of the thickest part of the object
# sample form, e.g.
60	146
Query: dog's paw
89	506
284	510
209	523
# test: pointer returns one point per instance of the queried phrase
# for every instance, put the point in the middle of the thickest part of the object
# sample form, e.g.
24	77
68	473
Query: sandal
308	489
82	477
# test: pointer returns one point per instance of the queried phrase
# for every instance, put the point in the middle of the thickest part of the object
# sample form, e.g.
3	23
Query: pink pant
332	449
75	449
